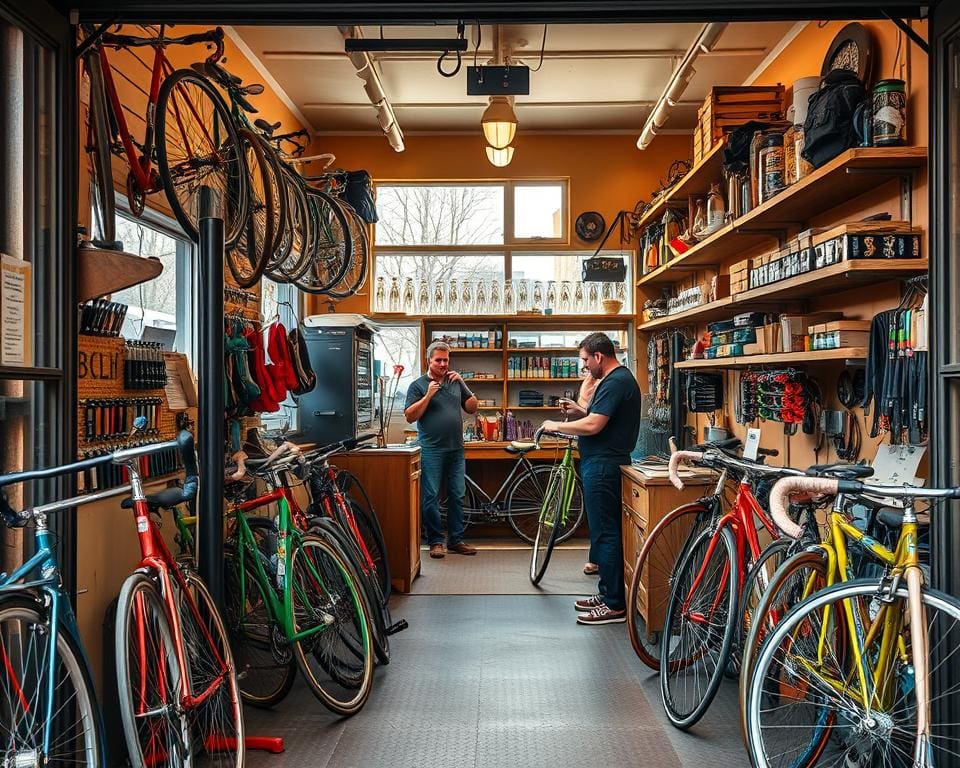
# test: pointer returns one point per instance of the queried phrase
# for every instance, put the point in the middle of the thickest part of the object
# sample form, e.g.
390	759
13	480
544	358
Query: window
165	303
561	288
397	345
282	300
538	211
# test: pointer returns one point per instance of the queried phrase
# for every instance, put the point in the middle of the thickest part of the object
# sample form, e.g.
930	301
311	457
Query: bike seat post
136	487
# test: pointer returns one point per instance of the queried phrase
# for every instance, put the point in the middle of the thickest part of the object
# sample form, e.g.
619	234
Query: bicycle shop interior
230	233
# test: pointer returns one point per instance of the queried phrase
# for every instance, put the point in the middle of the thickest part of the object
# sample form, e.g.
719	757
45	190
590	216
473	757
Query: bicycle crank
397	626
279	646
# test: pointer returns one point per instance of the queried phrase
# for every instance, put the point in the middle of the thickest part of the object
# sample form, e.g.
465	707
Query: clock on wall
589	225
851	49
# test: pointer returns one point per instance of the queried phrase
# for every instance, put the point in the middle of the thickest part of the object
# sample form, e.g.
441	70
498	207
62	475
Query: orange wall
606	172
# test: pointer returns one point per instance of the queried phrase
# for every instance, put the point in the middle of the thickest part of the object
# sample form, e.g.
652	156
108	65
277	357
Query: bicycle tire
356	274
332	247
101	168
177	168
761	572
248	258
24	638
784	591
656	565
350	486
898	736
547	528
280	202
166	735
525	499
265	677
693	647
293	249
217	723
329	596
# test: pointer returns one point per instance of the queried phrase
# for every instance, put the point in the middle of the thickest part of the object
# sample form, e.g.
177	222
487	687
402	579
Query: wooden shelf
101	271
482	381
524	350
780	358
516	322
846	176
533	407
461	350
548	379
842	276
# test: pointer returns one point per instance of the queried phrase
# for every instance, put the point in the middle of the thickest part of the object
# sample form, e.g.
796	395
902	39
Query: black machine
341	405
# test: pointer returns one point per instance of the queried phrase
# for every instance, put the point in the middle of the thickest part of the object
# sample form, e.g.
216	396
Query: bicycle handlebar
541	432
712	457
786	487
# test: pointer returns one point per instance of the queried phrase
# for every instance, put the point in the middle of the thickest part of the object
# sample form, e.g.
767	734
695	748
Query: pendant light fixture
499	122
500	157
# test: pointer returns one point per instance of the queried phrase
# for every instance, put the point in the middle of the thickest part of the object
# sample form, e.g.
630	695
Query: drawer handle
415	475
636	493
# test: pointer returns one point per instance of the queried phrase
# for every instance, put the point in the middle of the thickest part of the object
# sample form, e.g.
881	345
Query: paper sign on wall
752	445
16	311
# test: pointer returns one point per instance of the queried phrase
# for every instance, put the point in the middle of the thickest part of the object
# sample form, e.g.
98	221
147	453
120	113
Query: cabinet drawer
634	496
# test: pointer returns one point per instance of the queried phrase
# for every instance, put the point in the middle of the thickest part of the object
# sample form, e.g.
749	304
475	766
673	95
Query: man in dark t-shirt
608	432
435	402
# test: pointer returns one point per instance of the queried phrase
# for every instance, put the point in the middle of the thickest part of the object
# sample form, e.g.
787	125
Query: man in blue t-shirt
435	401
608	430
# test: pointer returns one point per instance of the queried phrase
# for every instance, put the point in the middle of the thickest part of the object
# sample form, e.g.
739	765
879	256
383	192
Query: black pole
210	416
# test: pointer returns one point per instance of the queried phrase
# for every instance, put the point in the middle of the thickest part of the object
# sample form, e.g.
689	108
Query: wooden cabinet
645	501
391	477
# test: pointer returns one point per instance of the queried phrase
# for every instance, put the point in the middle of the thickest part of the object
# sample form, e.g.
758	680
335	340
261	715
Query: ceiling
594	77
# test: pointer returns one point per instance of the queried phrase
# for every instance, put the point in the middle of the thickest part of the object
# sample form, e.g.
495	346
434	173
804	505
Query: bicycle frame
522	463
566	474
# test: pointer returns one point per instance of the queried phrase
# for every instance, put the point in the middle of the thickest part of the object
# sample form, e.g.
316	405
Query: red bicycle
189	150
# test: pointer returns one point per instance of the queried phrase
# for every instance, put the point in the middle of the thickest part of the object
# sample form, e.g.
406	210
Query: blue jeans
436	467
601	495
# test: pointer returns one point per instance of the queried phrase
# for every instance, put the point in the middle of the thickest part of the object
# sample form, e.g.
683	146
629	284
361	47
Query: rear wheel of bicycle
525	500
653	573
216	725
198	149
104	207
802	575
74	734
248	258
326	601
356	273
157	729
292	252
332	246
265	665
369	527
548	525
699	627
806	703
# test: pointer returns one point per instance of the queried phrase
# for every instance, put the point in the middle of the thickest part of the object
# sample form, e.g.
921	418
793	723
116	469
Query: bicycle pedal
397	626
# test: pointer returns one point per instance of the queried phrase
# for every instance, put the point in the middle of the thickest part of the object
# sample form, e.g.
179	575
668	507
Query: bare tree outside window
154	302
439	215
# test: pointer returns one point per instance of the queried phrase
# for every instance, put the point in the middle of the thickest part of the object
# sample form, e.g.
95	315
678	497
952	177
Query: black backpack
828	129
358	191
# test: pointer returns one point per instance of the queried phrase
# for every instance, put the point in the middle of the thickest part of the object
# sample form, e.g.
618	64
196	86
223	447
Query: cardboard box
794	328
718	287
840	325
16	311
768	341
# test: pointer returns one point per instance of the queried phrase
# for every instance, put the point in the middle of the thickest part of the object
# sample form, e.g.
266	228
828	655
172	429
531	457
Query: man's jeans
442	467
601	496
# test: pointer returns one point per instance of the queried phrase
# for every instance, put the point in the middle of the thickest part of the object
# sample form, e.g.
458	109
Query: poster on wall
16	311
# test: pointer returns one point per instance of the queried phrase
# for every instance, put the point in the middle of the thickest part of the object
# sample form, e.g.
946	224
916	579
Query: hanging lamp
499	122
500	157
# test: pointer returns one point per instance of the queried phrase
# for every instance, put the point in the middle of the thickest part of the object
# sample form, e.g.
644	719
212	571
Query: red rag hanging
267	402
281	371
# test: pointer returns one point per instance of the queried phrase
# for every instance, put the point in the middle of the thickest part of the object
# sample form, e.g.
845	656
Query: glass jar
803	166
439	305
538	295
423	298
466	298
565	305
578	297
716	210
508	305
394	302
380	296
593	298
523	295
495	292
552	295
480	307
408	296
790	156
453	297
771	166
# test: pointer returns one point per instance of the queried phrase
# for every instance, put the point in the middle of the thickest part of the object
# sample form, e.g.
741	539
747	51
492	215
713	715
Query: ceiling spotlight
499	123
500	157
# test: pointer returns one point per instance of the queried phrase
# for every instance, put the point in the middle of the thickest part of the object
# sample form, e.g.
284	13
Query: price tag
752	445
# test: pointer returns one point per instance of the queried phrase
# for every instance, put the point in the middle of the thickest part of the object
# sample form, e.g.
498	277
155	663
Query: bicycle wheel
806	683
148	679
75	733
547	525
356	273
101	172
653	573
699	627
326	602
292	252
369	527
198	148
216	724
248	258
758	579
797	578
332	246
525	500
265	665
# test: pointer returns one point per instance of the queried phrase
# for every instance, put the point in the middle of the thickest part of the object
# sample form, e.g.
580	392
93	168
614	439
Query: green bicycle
304	605
557	499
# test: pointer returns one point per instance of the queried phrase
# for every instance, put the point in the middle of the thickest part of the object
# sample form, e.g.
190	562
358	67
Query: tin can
889	113
772	180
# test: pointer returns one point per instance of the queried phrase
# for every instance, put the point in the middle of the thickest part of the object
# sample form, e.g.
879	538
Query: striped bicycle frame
565	473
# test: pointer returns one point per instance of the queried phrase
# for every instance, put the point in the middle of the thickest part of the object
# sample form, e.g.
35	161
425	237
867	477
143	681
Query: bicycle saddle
267	128
519	446
841	471
893	518
168	498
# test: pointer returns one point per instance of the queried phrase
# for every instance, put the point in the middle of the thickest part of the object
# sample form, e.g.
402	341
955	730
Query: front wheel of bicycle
525	500
155	725
653	573
807	680
699	627
74	734
199	155
216	724
329	618
548	524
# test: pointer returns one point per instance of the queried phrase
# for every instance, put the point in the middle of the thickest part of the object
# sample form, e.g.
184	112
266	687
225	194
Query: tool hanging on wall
788	396
846	433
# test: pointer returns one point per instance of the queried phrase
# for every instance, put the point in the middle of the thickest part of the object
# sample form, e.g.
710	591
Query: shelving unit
780	358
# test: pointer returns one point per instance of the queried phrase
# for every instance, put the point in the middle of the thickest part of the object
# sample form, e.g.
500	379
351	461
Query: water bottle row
493	297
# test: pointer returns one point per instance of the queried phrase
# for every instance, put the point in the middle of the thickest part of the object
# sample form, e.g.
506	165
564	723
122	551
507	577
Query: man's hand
454	376
570	408
432	388
551	426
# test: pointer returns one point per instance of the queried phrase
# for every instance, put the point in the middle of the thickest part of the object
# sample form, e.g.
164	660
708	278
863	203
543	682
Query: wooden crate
728	107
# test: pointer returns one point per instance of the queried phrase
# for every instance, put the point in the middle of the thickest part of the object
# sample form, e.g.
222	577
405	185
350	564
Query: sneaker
603	615
437	550
462	548
587	604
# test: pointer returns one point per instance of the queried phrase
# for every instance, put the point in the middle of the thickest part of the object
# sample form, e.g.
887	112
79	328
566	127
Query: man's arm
588	425
415	410
468	400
